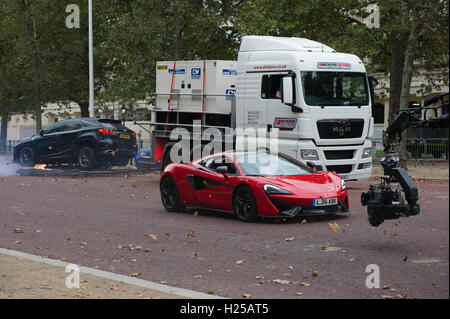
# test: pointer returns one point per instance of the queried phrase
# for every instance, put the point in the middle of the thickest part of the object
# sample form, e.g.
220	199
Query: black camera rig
383	200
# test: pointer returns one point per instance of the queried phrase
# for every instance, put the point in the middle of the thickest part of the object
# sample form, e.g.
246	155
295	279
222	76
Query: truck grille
338	155
332	129
340	169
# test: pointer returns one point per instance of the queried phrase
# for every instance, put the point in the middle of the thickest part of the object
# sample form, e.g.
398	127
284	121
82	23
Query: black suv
89	142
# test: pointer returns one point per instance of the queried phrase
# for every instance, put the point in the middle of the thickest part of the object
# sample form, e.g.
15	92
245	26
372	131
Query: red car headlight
272	189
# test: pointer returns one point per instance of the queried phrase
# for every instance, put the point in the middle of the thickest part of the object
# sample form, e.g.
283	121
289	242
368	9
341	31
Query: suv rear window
115	124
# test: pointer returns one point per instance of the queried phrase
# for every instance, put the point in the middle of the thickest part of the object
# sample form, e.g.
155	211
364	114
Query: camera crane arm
381	200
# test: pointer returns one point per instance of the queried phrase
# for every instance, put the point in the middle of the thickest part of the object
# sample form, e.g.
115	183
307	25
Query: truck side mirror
287	89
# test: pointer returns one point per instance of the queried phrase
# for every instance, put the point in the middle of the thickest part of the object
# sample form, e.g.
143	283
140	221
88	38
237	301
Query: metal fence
10	146
419	148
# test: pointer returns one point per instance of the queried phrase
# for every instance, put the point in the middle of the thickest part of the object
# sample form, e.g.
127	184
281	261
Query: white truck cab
319	100
326	119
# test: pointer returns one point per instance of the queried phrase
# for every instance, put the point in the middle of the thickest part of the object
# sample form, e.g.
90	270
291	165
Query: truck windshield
335	88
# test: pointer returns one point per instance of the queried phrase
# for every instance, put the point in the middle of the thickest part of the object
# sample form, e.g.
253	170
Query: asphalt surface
118	224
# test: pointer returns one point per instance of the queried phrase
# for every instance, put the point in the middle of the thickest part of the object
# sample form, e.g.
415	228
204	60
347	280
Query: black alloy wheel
170	196
244	204
26	157
86	158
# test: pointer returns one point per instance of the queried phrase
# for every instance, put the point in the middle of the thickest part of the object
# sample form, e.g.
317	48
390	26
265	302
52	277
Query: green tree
412	38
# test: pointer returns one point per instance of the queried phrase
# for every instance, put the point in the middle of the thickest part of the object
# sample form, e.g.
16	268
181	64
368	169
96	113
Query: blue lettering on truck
178	71
229	72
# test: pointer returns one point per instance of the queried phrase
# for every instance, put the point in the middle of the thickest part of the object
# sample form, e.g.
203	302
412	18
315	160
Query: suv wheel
26	157
86	158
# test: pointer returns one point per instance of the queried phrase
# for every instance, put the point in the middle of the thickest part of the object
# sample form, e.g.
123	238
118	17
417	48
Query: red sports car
252	184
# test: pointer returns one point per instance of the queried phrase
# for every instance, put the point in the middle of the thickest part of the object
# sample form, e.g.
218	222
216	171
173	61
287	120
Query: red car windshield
266	164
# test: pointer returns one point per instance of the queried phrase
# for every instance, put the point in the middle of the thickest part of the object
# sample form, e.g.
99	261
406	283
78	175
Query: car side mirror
222	169
311	165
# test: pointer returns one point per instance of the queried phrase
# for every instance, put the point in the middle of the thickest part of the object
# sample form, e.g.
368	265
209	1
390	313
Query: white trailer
323	116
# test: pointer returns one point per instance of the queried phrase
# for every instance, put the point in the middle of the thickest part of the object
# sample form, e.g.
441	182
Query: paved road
118	224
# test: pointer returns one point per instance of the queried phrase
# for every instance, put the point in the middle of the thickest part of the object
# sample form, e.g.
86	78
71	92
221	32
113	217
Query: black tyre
166	161
170	195
244	204
26	157
86	158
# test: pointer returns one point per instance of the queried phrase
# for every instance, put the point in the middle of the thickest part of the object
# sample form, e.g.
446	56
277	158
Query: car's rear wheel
26	157
170	195
244	204
86	158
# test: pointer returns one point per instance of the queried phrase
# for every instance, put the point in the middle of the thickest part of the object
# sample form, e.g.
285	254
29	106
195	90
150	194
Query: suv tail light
106	131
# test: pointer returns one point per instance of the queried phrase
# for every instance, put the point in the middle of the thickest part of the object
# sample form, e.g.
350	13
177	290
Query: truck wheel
86	158
26	157
244	204
170	195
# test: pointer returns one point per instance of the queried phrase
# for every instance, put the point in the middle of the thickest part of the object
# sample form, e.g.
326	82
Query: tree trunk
3	133
84	107
398	46
406	83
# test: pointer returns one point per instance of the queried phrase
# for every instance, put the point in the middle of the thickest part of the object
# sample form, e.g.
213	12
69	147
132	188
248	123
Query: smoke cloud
7	168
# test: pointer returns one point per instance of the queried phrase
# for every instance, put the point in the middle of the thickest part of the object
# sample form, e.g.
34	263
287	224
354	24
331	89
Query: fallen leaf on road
239	262
246	296
405	258
314	273
290	239
191	233
18	230
198	276
304	284
303	222
282	281
135	274
153	236
299	293
333	226
386	287
387	297
433	283
196	213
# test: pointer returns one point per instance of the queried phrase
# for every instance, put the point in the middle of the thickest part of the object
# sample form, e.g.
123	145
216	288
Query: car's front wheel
86	158
244	204
26	157
170	196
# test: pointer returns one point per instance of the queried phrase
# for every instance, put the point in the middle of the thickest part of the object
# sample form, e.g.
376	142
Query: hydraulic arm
388	201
